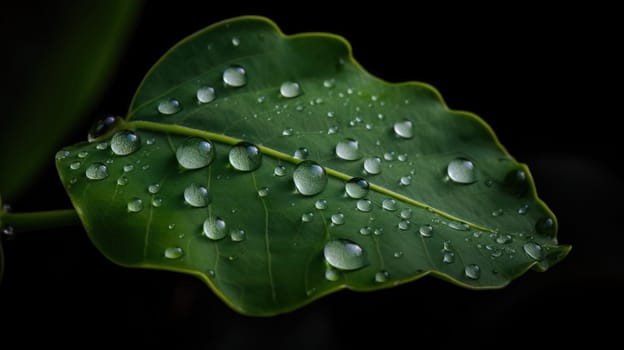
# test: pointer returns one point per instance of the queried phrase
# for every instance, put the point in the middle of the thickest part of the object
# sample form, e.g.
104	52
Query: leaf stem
26	222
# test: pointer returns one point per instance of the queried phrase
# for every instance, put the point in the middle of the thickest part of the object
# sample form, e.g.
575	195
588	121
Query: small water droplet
372	165
534	250
331	114
366	230
263	191
402	157
516	182
405	180
174	253
338	219
321	204
196	196
307	217
357	187
102	127
332	130
153	188
237	235
245	156
287	132
128	168
122	180
458	226
331	274
235	41
378	231
279	170
344	254
381	276
301	153
523	209
462	171
171	226
309	178
403	225
545	226
74	165
169	106
405	213
135	205
348	149
448	257
260	99
235	76
83	154
397	255
498	212
426	230
389	204
389	156
404	129
60	155
329	83
472	271
156	201
364	205
214	228
145	167
205	94
102	146
290	89
96	171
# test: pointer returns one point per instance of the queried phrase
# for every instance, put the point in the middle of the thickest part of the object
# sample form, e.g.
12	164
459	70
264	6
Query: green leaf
446	199
62	60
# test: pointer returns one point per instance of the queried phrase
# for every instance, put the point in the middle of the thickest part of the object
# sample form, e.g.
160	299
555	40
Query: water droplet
260	99
402	157
545	226
405	213
372	165
279	170
472	271
97	171
397	255
171	226
307	217
237	235
448	257
389	204
235	41
498	212
245	156
125	142
122	180
523	209
287	132
214	228
128	168
333	130
156	201
344	254
389	156
356	188
321	204
235	76
332	274
381	276
426	230
364	205
145	167
174	253
458	226
516	182
102	146
135	205
309	178
301	153
74	165
196	196
83	154
329	83
504	239
263	191
195	153
331	114
366	230
403	225
534	250
347	149
461	170
405	180
153	188
205	94
290	89
169	106
404	129
338	219
60	155
447	246
102	127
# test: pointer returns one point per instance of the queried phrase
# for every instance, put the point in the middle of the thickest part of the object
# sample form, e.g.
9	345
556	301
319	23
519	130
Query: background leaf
421	216
62	55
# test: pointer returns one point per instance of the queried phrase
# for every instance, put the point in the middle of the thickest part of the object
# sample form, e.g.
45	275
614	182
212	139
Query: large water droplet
404	129
135	205
338	219
97	171
321	204
235	76
237	235
102	127
174	253
381	276
344	254
245	156
195	153
290	89
364	205
348	149
214	228
205	94
309	178
472	271
389	204
545	226
372	165
169	106
301	153
516	182
426	230
196	196
356	187
125	142
534	250
461	170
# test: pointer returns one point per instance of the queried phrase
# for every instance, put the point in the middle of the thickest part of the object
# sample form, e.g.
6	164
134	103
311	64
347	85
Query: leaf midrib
186	131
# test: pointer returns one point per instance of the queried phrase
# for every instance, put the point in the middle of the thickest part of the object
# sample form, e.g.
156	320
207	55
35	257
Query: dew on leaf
344	254
309	178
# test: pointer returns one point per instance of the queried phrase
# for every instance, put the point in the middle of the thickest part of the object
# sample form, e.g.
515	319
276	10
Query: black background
540	77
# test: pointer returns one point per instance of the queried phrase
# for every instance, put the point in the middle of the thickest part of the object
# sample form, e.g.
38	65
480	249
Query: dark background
541	78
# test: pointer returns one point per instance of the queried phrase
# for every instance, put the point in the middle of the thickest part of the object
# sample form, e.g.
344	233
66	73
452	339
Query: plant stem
25	222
